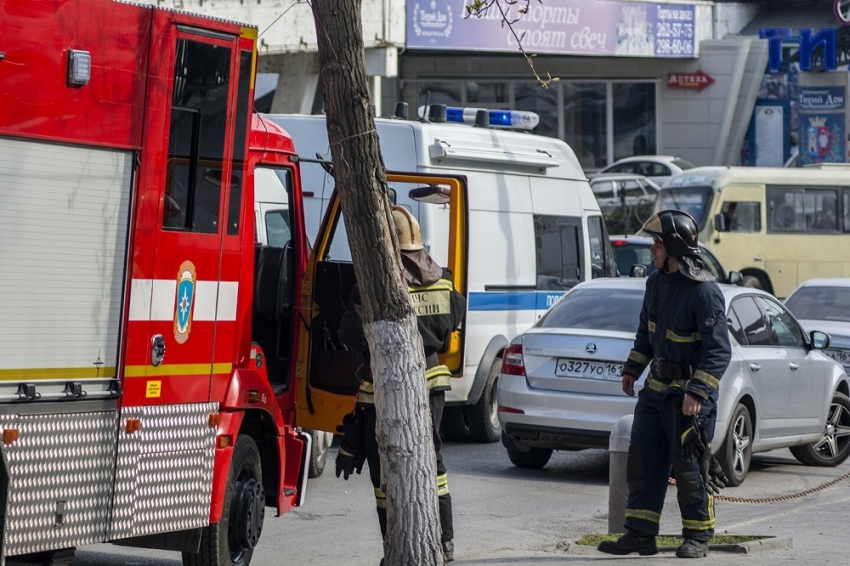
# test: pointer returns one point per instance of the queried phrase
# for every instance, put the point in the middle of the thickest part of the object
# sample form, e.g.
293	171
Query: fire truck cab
147	382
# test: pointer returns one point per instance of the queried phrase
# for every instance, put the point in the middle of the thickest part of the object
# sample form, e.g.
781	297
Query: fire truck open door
325	370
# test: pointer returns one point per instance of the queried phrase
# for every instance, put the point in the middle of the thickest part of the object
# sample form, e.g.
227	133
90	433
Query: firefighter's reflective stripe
644	515
366	393
442	484
155	299
651	326
707	378
661	386
380	498
707	525
438	376
679	339
639	358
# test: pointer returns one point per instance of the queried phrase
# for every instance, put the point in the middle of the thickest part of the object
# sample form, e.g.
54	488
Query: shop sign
698	80
568	27
824	98
809	43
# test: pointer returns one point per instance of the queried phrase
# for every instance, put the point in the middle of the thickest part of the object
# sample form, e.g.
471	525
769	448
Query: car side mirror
735	278
637	270
720	222
820	340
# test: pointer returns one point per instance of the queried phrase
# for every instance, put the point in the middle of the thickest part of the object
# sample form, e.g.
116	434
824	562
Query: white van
534	231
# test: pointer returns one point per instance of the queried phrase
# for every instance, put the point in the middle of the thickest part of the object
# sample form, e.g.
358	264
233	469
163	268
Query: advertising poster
575	27
768	141
822	138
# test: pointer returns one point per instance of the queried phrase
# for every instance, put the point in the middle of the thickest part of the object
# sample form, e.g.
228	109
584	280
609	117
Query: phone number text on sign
674	31
682	47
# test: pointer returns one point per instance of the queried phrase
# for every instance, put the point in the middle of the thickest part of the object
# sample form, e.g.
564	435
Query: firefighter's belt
671	371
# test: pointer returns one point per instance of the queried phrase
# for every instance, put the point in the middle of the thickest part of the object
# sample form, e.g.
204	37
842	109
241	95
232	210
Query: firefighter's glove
712	473
352	451
693	438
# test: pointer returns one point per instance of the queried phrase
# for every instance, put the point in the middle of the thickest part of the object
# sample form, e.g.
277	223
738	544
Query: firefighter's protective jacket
439	310
683	335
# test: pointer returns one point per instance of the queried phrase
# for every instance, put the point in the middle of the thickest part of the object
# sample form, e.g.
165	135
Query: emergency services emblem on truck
185	301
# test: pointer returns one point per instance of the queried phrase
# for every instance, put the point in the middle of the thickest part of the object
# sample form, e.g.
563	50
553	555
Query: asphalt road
503	510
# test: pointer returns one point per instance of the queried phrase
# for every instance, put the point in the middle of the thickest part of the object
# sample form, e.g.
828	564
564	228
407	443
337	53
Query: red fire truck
147	391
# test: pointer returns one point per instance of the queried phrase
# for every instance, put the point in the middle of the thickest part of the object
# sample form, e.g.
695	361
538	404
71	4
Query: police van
532	230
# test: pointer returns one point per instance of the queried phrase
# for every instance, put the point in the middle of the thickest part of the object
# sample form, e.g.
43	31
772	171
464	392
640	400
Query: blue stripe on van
512	300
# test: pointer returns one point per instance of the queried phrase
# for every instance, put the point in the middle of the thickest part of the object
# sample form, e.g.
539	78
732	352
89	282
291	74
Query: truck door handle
792	365
757	258
157	349
755	367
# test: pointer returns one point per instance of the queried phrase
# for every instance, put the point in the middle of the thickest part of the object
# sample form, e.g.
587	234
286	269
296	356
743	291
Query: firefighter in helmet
439	310
682	336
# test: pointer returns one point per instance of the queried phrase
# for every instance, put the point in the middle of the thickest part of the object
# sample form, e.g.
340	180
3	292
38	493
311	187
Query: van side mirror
820	340
720	222
735	278
432	194
637	270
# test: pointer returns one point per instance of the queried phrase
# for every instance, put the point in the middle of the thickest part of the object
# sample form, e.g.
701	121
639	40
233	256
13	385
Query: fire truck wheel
232	540
321	445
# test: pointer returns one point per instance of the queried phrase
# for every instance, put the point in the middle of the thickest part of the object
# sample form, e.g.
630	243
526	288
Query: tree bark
408	463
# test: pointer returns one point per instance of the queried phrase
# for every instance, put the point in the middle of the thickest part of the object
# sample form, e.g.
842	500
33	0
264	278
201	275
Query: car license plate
589	370
840	356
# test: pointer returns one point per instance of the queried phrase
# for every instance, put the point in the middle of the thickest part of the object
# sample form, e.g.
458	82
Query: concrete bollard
618	489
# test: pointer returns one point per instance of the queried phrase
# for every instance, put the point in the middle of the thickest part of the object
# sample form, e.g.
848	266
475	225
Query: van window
558	241
603	189
696	201
277	227
797	209
742	216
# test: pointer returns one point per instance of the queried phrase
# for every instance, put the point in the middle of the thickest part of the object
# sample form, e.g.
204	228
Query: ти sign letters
809	42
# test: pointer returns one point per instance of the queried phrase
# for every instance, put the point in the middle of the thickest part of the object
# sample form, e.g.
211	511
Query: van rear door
325	369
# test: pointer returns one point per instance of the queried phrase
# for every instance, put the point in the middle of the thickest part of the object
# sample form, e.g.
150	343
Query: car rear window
597	309
820	303
682	164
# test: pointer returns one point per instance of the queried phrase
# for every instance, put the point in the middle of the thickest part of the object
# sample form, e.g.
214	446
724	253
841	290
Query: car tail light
512	360
619	243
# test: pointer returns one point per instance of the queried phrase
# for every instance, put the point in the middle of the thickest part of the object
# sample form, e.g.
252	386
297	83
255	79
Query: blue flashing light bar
514	119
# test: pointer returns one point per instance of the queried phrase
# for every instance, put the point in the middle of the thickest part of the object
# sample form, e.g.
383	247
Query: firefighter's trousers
654	448
437	401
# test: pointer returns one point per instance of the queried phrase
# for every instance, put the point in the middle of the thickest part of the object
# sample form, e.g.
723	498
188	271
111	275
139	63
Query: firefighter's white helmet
407	229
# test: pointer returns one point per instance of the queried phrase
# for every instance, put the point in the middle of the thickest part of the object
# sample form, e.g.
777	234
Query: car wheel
752	282
319	456
535	458
834	447
453	425
482	418
738	446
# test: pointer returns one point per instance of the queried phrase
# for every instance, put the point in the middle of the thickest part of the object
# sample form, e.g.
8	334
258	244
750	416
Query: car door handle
792	365
755	367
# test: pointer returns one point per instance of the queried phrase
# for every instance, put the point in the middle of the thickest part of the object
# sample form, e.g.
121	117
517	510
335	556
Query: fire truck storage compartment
64	213
271	321
333	364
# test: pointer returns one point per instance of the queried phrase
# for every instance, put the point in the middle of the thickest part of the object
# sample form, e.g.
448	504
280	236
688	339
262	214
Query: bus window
696	201
802	210
742	216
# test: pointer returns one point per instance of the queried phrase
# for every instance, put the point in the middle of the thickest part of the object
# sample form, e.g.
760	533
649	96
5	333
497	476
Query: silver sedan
559	386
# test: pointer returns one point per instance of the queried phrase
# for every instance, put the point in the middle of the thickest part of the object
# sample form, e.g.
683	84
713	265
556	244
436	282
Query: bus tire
482	418
321	445
232	540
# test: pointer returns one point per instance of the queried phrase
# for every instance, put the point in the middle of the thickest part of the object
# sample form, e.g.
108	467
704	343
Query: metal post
618	489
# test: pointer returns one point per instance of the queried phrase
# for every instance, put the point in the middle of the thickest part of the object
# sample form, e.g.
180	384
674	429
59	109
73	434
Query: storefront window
448	93
585	123
544	102
634	119
488	95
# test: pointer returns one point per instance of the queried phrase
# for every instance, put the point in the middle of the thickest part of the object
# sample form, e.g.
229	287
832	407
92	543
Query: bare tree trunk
408	463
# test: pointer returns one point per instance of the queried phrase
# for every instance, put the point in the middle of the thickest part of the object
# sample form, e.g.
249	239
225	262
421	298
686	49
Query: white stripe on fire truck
154	299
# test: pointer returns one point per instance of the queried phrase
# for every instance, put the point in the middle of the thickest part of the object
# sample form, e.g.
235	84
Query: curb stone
751	547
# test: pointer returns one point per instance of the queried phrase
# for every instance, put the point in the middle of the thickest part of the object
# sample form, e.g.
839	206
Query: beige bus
778	227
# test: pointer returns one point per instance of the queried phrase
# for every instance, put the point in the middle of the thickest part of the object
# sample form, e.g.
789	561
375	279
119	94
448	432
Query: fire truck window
239	137
197	137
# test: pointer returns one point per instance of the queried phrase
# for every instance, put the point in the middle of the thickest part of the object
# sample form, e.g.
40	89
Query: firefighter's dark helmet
676	229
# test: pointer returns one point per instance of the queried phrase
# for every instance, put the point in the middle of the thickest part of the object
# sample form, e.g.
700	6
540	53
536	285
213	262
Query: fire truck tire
232	540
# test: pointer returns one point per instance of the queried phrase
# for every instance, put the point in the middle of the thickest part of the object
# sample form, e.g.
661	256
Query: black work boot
449	550
693	548
629	543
